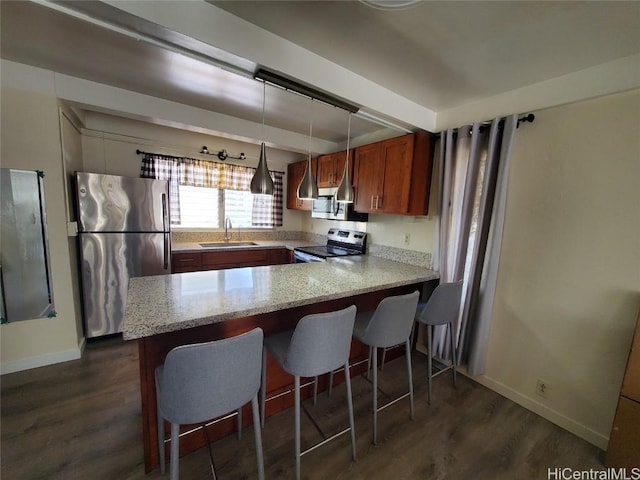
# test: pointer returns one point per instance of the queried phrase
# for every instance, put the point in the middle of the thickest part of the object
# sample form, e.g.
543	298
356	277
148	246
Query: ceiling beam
209	24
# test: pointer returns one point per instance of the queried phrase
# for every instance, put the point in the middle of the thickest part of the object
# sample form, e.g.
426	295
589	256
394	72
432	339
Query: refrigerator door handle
166	251
166	234
164	212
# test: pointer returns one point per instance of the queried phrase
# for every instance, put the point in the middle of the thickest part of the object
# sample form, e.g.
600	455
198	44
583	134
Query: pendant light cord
310	126
348	135
264	95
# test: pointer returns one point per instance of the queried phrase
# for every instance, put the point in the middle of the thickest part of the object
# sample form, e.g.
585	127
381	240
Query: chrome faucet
227	226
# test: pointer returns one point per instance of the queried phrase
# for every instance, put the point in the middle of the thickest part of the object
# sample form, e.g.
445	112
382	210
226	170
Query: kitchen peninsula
169	310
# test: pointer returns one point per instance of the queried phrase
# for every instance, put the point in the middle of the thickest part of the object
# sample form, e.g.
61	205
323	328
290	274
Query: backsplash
242	235
412	257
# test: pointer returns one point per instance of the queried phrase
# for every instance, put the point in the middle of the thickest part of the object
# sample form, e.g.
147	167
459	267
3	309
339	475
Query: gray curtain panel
472	170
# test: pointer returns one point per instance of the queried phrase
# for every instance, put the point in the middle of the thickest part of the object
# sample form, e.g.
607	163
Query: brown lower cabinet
218	260
623	450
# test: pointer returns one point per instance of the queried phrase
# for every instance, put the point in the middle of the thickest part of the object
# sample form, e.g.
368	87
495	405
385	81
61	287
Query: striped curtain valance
267	209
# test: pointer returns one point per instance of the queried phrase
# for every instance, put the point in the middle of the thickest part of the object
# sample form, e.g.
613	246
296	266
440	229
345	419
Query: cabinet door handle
378	203
372	197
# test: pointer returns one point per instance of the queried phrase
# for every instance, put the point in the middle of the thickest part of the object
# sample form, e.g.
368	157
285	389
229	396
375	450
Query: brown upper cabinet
331	168
295	172
394	176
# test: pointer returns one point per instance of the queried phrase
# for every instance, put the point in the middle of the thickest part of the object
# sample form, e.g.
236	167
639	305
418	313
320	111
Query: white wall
71	145
109	145
30	134
388	230
568	288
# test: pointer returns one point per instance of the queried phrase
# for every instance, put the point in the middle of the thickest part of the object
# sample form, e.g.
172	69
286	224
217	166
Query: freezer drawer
108	260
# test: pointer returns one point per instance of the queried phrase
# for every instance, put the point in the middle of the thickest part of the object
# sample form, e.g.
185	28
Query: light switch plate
72	229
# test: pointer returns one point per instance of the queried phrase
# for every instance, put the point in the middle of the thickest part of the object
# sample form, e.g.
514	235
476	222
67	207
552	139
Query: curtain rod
140	152
529	117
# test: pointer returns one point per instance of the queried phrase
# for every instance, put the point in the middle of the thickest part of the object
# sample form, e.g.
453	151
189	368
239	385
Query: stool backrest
443	305
321	343
206	380
392	320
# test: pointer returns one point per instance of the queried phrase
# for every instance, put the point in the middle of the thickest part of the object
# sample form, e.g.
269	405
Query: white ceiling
428	58
442	54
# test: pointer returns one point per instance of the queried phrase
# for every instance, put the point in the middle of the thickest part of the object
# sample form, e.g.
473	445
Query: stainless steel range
340	243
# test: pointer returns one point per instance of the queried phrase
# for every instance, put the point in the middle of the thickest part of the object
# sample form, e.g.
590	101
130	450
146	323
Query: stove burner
340	243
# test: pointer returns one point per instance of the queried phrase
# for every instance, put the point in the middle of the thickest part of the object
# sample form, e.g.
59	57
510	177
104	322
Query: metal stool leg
315	389
161	448
297	424
375	400
408	355
258	437
429	362
175	451
453	353
263	386
330	382
347	381
211	462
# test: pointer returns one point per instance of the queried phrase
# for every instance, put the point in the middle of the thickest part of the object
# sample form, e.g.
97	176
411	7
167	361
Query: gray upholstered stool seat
389	325
204	381
319	344
442	308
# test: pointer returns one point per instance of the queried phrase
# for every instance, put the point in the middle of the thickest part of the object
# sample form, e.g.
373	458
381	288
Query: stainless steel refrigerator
124	232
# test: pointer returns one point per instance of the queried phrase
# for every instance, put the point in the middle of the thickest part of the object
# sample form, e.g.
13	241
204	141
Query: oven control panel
351	237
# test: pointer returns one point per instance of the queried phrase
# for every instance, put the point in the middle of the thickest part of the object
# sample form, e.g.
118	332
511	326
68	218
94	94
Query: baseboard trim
42	360
555	417
582	431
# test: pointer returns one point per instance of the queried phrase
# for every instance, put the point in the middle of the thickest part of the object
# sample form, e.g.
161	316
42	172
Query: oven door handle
301	257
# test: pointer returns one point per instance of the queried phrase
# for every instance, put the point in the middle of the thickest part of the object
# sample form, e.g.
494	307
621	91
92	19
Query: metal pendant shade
345	193
308	190
262	182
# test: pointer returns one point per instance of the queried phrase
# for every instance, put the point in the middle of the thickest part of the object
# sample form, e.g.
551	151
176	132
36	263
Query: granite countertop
166	303
196	247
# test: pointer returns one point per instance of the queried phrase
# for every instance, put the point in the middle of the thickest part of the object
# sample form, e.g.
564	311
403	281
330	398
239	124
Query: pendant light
308	190
345	193
261	183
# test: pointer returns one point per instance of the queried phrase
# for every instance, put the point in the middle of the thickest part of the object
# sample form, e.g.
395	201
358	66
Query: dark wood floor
81	420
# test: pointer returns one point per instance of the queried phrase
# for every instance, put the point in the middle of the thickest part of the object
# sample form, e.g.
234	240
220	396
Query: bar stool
442	308
389	325
319	344
206	380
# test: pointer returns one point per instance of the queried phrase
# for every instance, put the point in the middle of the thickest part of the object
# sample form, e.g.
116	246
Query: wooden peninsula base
153	350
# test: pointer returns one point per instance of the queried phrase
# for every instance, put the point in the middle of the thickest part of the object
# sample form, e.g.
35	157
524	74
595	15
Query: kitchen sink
227	244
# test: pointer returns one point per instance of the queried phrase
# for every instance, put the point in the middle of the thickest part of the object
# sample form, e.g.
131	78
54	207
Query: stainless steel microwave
326	206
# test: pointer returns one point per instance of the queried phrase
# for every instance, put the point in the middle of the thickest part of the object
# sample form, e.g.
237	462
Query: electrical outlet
542	388
407	239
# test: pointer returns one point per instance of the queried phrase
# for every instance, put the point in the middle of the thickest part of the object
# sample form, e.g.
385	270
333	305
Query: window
238	206
202	207
203	193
